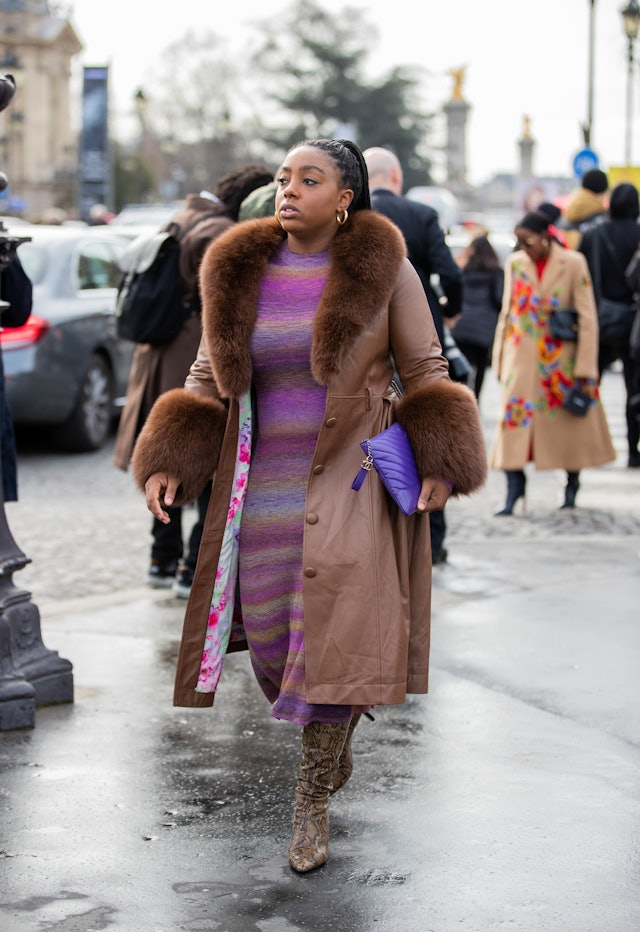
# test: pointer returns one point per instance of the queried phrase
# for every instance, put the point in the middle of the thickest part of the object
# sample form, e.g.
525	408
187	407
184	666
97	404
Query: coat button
317	470
312	518
332	421
310	572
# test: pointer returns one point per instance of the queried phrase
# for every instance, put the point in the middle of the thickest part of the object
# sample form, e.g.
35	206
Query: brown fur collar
366	253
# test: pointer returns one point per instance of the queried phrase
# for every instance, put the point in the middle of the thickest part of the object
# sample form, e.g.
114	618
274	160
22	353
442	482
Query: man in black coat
429	254
426	246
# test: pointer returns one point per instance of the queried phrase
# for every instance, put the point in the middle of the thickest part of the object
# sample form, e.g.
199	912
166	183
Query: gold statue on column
458	75
526	127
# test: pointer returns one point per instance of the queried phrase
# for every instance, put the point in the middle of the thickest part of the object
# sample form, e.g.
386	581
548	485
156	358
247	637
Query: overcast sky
521	58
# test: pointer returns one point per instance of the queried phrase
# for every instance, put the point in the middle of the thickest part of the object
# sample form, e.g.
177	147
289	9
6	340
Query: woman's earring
345	216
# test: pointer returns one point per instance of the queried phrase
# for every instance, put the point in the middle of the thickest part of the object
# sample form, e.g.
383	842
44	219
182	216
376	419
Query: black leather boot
571	490
515	489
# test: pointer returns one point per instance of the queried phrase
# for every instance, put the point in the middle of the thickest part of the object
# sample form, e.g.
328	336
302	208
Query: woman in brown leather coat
305	318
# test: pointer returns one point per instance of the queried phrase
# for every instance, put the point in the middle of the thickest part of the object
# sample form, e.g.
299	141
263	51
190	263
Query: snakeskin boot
322	744
345	763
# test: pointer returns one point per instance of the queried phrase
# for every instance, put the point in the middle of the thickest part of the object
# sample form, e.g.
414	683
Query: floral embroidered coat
366	566
536	371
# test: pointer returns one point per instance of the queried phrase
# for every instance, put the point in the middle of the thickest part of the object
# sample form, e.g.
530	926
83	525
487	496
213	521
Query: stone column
529	193
456	111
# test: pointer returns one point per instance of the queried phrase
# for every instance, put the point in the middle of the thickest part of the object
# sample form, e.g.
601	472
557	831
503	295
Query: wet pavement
508	798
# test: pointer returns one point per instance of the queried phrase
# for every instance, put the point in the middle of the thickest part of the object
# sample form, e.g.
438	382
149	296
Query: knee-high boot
571	490
516	483
322	744
345	763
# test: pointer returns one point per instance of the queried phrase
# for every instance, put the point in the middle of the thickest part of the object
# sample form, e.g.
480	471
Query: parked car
66	368
156	215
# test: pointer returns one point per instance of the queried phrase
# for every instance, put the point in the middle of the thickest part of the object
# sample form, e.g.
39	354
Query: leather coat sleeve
200	380
440	416
183	434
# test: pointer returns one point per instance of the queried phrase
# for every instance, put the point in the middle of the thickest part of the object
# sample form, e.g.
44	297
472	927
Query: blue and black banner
94	158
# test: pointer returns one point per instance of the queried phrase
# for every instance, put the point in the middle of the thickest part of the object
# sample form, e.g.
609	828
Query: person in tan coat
586	207
306	316
537	371
156	369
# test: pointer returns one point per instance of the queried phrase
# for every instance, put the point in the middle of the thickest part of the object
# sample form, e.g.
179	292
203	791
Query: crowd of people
575	259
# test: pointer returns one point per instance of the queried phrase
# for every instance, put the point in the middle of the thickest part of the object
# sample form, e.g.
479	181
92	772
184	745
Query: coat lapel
366	258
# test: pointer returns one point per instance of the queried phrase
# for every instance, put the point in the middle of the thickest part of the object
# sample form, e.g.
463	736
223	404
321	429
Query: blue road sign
583	161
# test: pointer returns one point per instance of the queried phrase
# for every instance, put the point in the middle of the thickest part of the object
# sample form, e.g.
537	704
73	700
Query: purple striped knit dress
290	409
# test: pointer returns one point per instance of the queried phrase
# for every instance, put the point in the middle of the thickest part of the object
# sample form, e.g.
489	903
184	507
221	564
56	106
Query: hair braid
351	166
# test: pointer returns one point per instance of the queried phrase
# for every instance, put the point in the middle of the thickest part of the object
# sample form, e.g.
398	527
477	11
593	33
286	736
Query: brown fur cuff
443	424
181	437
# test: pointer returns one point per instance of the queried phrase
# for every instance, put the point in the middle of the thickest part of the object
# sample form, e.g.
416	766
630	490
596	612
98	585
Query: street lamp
631	22
587	128
140	101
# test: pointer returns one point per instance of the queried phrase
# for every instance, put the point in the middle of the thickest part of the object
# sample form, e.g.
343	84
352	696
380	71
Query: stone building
37	141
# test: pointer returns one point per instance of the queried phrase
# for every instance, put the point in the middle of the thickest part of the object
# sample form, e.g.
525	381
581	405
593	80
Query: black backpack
150	306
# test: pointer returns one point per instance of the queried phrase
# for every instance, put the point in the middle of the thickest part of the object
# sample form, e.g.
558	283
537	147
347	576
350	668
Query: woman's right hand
161	489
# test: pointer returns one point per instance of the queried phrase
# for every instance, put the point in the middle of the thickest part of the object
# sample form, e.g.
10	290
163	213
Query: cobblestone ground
87	531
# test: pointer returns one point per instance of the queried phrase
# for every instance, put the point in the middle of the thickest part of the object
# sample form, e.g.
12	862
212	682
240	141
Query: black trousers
438	528
167	547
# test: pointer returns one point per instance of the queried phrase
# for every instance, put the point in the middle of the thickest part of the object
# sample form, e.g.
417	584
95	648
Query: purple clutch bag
390	454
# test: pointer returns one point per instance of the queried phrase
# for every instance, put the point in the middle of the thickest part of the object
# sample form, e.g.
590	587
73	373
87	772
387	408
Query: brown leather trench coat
366	566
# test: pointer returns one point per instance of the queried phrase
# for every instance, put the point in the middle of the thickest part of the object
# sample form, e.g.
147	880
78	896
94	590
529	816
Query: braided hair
351	166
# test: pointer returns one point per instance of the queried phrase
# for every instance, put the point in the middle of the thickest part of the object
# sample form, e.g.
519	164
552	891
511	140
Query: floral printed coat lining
536	370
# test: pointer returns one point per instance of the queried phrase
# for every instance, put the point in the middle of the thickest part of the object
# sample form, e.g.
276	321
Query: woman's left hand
434	495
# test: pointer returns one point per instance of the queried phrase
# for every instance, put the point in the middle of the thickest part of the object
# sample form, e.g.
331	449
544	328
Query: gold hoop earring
345	217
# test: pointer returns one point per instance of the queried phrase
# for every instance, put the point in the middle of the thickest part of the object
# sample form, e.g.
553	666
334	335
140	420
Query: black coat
426	249
481	302
608	273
